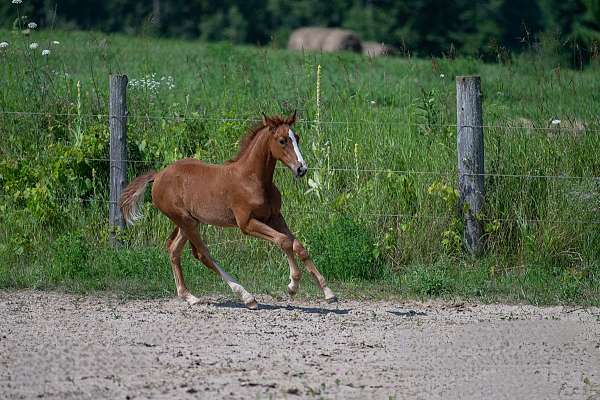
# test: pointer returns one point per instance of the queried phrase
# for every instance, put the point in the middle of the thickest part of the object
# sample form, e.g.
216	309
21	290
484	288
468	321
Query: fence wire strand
557	127
336	169
305	211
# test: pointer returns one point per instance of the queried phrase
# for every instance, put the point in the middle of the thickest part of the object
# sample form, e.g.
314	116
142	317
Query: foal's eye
282	141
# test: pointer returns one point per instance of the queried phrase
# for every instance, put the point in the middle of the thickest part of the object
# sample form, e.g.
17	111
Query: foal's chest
263	212
264	204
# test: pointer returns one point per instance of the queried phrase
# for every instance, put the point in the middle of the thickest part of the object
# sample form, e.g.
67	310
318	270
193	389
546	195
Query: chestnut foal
238	193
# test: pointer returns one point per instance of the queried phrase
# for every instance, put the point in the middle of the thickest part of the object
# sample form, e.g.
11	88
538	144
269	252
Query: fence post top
467	77
118	77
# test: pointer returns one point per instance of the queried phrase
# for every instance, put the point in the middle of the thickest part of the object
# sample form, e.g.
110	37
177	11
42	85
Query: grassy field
378	208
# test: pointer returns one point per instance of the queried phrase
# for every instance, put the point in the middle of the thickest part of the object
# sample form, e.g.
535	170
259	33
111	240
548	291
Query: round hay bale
574	127
324	39
375	49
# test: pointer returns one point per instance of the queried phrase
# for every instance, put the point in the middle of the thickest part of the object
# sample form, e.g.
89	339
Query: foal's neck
258	160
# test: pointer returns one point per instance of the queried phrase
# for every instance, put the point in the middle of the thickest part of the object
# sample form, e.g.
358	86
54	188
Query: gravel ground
61	346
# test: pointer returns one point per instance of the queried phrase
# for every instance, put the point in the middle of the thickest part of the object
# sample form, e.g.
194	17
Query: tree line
484	28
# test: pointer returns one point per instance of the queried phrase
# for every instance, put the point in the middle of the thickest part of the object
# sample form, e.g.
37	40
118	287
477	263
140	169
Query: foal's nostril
301	171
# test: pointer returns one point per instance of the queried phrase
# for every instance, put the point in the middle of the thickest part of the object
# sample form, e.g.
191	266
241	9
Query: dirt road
57	346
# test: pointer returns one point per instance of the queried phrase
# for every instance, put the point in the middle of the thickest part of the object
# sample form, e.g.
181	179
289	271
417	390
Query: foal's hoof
329	296
291	291
191	299
252	305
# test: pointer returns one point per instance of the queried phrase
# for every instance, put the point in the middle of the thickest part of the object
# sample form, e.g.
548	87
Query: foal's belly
219	216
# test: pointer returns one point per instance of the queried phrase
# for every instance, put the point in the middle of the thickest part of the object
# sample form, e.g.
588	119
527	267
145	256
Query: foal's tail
132	197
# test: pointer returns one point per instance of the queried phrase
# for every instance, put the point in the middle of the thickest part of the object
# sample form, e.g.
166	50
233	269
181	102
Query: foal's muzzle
301	170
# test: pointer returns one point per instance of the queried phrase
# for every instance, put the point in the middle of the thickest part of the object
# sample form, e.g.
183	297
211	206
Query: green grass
376	232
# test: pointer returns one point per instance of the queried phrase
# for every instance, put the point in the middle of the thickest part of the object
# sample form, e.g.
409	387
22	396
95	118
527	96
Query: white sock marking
235	287
328	293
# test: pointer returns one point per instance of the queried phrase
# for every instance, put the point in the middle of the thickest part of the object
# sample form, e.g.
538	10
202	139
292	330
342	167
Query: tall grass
383	159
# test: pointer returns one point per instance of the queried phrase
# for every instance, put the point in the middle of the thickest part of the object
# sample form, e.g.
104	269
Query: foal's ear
267	121
291	119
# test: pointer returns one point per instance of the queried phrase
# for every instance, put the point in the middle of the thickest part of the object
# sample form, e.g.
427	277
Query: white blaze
296	148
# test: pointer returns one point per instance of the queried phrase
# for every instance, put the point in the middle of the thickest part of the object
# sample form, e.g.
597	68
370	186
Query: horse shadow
274	307
408	314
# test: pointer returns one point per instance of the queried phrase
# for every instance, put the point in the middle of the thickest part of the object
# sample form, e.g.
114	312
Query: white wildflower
555	122
442	76
17	1
33	46
45	52
3	45
32	25
373	102
55	42
152	83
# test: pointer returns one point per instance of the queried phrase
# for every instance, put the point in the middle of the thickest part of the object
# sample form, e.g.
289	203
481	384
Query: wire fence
332	169
312	211
584	126
353	169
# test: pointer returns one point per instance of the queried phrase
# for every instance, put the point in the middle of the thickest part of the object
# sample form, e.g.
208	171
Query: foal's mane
251	134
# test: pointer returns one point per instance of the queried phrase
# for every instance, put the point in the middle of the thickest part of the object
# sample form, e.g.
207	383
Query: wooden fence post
117	122
469	139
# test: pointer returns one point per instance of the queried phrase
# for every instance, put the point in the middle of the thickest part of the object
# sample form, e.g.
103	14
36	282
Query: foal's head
283	143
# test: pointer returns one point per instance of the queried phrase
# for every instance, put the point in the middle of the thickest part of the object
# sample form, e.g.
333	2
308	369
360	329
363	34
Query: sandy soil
61	346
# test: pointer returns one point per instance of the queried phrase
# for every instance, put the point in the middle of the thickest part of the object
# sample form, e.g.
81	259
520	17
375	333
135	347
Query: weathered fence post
469	139
117	122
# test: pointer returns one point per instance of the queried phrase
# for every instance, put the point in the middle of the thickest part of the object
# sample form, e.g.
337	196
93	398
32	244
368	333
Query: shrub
429	281
344	249
70	255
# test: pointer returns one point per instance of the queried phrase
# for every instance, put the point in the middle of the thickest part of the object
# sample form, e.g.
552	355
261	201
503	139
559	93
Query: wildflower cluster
152	83
31	26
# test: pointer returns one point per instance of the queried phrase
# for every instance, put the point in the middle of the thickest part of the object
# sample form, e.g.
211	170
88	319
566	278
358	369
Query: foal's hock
239	193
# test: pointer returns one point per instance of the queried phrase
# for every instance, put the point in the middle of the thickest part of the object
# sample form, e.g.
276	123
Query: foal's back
192	188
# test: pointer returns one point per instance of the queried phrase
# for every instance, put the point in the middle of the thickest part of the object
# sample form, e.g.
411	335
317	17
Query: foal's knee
200	256
286	244
300	251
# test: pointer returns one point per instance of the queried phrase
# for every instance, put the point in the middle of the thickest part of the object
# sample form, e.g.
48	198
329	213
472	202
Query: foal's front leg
278	223
286	242
297	247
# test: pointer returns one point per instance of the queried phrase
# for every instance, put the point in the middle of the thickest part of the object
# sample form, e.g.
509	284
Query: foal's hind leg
200	251
175	245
